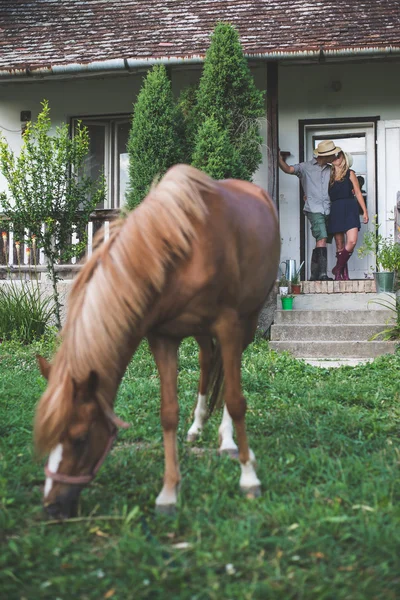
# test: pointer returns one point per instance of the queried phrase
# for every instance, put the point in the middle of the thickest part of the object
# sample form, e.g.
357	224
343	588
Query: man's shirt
315	182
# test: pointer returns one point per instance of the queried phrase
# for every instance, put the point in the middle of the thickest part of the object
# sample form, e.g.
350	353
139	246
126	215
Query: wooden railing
25	261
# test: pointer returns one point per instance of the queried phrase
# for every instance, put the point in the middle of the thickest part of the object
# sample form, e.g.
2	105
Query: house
331	70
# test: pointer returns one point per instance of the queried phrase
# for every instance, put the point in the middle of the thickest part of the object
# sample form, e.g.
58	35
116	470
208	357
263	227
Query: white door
359	142
388	138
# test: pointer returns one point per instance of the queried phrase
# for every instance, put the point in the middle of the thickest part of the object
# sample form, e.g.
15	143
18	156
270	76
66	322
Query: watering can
290	270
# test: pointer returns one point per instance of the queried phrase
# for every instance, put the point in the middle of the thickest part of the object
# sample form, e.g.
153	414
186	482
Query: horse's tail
215	388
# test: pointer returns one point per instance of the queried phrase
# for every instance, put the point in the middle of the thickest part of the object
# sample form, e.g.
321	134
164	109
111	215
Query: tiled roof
45	33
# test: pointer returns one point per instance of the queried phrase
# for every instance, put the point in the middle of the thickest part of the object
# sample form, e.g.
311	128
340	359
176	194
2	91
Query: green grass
326	526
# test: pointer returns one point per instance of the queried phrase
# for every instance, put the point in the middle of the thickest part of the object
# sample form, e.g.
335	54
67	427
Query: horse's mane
115	288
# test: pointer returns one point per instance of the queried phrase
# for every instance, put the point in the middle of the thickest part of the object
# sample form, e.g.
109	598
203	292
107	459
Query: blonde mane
115	288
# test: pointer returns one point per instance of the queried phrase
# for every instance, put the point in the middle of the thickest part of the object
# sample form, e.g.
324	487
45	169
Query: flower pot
296	288
287	303
384	281
283	291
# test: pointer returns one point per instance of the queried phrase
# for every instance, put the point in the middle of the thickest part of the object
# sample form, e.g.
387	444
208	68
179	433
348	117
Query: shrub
25	313
214	152
228	94
154	141
49	193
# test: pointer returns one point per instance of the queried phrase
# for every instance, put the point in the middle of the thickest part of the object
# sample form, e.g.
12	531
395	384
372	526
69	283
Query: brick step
325	350
334	317
320	333
339	287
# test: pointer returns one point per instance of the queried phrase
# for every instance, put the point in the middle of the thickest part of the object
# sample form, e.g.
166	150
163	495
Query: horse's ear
44	366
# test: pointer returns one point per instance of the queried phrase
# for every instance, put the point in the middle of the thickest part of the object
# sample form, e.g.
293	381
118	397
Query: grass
326	526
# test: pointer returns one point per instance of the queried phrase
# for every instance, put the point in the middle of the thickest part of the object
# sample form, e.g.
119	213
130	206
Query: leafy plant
283	281
295	279
49	193
156	134
385	250
393	330
25	313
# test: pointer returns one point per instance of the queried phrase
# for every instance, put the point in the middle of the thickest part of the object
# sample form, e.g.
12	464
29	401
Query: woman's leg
351	241
339	240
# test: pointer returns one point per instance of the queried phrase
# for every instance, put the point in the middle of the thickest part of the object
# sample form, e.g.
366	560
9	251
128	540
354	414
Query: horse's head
76	426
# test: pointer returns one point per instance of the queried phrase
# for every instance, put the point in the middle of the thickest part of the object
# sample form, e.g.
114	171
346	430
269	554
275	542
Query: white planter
283	291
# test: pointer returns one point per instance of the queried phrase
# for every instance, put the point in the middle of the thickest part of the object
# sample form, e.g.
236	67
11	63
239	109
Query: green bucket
287	303
384	282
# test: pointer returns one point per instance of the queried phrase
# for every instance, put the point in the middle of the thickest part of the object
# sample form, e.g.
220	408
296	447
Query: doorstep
365	286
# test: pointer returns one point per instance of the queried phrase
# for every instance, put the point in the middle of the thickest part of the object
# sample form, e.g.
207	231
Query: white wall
305	92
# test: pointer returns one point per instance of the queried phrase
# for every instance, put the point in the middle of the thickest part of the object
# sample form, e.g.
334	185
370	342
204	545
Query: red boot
341	272
336	271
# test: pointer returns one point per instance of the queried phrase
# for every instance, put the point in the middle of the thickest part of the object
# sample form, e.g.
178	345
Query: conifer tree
227	93
154	141
214	154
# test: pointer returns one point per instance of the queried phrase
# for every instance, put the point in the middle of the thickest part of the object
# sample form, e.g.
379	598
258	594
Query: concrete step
333	363
334	317
325	350
350	301
320	333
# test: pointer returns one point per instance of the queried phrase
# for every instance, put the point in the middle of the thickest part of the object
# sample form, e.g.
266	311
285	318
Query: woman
344	219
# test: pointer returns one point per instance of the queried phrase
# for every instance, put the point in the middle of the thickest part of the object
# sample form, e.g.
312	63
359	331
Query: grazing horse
197	258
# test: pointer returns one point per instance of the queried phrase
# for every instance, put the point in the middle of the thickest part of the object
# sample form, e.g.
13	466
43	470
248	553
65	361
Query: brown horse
196	258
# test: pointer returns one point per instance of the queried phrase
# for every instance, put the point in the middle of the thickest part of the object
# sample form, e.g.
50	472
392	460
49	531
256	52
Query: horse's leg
200	413
225	431
165	354
233	336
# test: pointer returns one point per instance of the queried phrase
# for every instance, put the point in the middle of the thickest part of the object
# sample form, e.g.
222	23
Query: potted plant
295	284
387	255
287	302
283	286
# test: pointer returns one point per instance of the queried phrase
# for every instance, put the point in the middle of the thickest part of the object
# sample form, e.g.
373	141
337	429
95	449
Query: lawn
326	527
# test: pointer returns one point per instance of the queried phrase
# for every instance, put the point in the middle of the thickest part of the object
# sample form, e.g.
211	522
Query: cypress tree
227	93
154	140
214	154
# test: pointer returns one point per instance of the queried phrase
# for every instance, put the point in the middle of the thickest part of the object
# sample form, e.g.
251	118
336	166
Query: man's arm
285	167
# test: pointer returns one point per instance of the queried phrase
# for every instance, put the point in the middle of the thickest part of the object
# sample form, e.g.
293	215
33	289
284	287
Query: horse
197	257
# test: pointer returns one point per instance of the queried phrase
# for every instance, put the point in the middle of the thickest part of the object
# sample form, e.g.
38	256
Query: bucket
287	303
384	282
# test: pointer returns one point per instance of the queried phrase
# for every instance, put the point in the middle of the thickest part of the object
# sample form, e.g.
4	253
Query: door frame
346	122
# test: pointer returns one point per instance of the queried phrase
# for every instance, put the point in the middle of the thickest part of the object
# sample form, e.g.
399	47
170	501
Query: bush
214	153
154	140
25	313
228	94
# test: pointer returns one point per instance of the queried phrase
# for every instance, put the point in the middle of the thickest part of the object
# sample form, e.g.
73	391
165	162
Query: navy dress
344	206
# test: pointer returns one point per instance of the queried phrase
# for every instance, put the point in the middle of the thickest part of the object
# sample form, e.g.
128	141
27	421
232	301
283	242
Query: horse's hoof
252	492
191	437
166	509
231	452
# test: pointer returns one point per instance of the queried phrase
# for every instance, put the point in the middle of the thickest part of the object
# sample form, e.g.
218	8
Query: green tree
156	134
48	191
214	153
227	93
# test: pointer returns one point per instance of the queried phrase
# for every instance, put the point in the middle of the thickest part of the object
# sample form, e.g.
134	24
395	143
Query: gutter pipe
130	64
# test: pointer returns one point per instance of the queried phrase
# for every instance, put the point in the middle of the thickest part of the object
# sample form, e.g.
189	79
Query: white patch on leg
54	461
167	496
248	478
226	433
200	415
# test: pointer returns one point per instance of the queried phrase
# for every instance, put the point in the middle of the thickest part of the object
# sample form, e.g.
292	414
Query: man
314	176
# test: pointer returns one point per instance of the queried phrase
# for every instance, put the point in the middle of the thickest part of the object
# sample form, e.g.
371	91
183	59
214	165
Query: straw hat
326	148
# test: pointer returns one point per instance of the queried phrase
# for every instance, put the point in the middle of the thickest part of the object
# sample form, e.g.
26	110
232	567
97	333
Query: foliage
385	249
155	137
214	153
283	281
25	313
392	332
227	93
49	194
327	525
295	279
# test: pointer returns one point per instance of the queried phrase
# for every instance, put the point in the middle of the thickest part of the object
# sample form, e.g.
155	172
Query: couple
332	195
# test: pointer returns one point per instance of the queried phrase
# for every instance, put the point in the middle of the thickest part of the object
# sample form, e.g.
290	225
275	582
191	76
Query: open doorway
359	141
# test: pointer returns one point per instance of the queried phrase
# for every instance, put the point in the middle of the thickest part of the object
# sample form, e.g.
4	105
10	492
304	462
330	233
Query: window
108	152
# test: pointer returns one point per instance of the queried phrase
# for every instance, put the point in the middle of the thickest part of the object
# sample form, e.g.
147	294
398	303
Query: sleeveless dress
344	213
